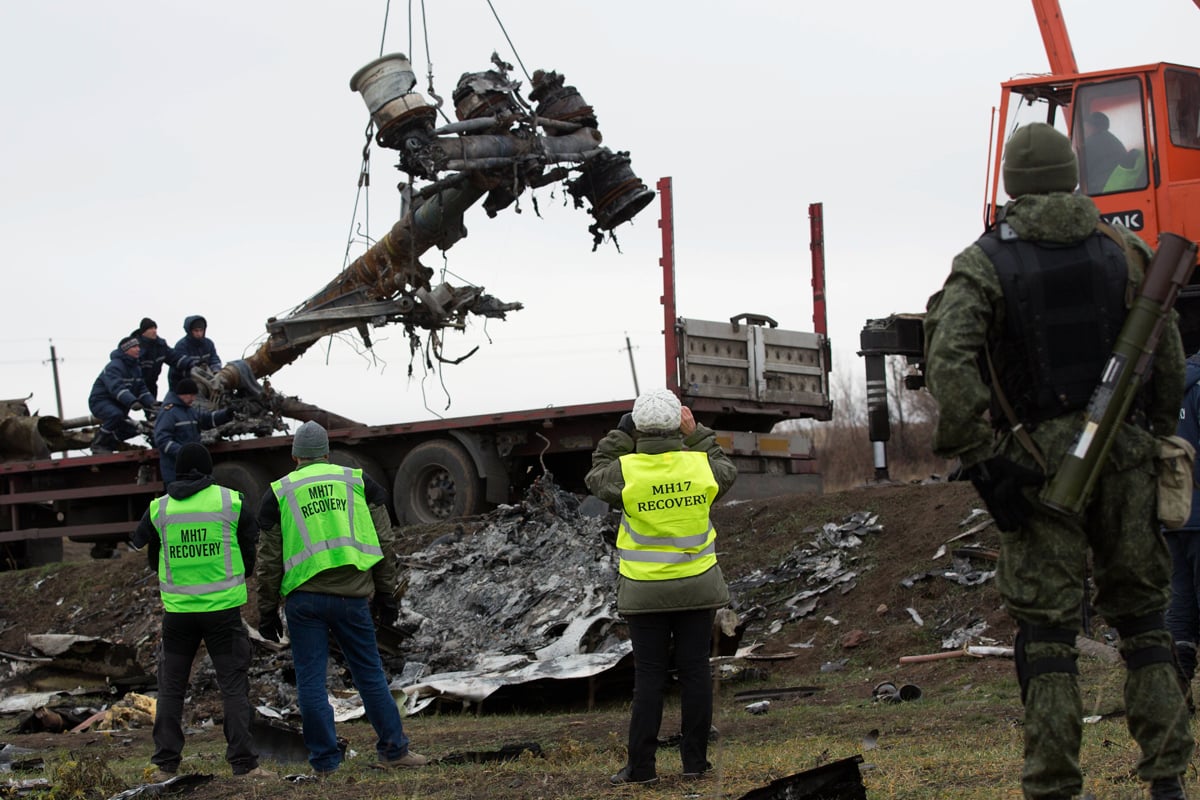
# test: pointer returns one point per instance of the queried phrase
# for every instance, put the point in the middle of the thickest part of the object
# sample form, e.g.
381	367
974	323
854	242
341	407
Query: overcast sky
165	159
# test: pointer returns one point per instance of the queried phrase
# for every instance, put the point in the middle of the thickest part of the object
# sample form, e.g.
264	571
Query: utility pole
632	368
57	388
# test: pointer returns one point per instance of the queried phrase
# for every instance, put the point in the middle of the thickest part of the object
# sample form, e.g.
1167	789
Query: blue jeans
1183	614
311	618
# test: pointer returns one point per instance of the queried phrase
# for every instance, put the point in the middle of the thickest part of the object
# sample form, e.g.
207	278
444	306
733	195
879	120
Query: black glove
626	424
999	482
270	627
385	608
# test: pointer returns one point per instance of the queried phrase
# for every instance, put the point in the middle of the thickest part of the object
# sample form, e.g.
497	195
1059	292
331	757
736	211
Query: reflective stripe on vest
200	564
665	529
325	522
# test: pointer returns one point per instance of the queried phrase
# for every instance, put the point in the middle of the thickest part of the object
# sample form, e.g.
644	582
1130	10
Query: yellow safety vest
200	564
665	529
325	522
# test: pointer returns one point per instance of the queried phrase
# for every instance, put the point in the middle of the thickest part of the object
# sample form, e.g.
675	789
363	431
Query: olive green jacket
605	481
968	314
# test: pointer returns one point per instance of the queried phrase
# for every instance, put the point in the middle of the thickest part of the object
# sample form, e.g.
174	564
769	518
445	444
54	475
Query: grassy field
962	740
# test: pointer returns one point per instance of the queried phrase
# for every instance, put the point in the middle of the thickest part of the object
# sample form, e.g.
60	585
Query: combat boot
1167	789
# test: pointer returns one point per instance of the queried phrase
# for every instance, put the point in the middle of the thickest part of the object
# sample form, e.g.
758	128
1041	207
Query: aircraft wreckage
501	145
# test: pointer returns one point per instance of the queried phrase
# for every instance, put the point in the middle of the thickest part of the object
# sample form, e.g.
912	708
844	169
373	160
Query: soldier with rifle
1028	325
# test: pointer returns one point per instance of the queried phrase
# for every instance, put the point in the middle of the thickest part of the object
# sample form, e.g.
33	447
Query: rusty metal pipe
305	412
391	264
79	422
467	148
506	161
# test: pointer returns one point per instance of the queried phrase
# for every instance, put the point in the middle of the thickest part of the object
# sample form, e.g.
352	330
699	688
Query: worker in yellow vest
326	548
664	471
200	538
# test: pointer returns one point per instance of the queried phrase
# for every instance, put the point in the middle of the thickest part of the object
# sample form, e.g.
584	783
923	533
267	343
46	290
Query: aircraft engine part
386	85
615	193
558	102
486	94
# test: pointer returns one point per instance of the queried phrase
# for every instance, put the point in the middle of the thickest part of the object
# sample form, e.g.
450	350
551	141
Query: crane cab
1137	134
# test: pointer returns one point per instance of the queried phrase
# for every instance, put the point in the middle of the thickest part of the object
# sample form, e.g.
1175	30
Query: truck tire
349	457
249	479
31	553
436	481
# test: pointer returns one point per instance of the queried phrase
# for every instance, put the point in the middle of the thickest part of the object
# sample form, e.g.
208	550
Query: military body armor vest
1063	308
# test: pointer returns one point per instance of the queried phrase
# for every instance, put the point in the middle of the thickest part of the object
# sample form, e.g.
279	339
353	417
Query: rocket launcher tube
1169	270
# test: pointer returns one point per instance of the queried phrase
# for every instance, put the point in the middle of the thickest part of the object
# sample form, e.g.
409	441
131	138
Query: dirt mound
898	599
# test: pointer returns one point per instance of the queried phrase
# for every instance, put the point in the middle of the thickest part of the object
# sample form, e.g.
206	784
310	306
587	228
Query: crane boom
1054	36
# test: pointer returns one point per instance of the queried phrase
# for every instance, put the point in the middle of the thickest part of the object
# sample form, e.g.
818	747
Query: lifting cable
511	46
364	169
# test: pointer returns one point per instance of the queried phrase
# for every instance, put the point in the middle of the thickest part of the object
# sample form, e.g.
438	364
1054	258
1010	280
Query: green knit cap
1038	160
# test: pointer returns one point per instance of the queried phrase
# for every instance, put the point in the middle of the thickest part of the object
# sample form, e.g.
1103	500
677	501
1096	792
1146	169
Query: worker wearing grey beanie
326	546
311	441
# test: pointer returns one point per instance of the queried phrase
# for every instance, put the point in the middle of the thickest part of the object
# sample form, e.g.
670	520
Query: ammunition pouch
1150	654
1175	463
1028	670
1064	306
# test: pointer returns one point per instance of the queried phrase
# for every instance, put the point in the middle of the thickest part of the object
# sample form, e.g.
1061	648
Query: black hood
187	485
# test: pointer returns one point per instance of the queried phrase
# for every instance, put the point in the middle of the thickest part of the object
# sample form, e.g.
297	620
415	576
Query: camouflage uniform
1042	565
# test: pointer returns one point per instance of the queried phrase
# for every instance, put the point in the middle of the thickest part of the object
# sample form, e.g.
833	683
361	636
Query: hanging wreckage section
501	145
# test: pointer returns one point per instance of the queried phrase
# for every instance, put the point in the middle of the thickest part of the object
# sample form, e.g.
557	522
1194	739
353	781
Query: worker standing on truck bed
156	352
118	389
195	345
1039	300
200	539
326	547
664	471
179	423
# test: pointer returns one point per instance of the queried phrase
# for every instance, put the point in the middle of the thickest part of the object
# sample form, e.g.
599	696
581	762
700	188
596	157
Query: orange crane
1137	133
1136	130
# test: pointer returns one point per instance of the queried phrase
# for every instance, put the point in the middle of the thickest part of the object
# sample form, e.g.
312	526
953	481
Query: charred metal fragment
278	741
837	780
508	752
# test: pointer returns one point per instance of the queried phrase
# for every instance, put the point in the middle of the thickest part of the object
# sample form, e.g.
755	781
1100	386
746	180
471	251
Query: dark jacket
191	483
606	481
202	351
178	424
342	581
1189	428
120	382
154	353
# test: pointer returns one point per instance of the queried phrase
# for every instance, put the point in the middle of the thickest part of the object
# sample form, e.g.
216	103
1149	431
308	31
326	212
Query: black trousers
224	635
653	636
